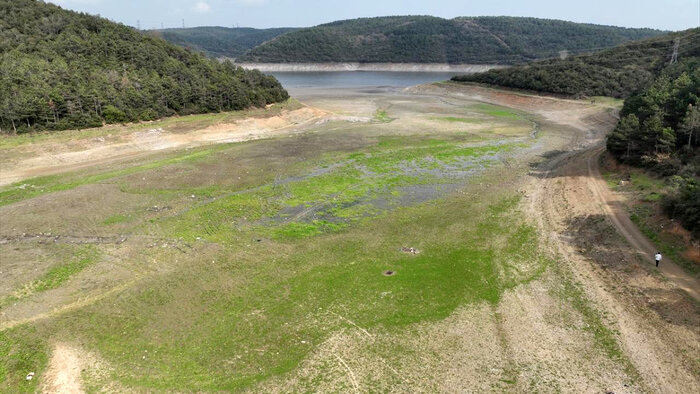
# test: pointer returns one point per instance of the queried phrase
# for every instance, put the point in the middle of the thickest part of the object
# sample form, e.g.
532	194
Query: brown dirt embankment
49	157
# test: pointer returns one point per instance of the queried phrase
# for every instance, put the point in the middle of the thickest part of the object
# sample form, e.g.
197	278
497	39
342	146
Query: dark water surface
354	79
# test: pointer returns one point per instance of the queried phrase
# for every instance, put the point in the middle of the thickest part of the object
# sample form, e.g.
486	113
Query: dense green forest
61	69
615	72
659	129
219	42
426	39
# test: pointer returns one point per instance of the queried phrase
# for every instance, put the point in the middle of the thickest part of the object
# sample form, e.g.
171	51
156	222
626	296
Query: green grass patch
301	230
382	116
224	215
82	258
644	182
48	184
607	101
22	351
256	313
343	185
454	119
496	111
58	275
115	219
613	180
652	197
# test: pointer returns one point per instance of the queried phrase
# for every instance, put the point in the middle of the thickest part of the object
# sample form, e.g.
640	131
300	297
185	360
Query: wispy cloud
252	2
201	7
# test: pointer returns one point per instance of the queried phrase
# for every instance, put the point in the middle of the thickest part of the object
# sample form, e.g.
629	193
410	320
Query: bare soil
63	373
50	158
618	275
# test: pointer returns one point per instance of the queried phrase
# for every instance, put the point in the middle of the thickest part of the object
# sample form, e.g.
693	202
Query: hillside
217	41
427	39
61	69
659	130
616	72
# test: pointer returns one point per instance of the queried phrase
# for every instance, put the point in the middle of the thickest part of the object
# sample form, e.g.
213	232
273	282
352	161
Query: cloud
252	2
201	7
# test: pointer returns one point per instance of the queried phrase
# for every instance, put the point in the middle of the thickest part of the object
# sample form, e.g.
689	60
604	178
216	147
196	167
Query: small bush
113	114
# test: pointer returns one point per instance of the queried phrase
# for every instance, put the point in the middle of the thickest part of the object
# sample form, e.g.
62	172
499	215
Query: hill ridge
430	39
616	72
219	41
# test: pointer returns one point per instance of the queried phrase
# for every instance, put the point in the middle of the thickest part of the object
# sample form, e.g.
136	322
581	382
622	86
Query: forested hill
616	72
219	41
426	39
61	69
659	129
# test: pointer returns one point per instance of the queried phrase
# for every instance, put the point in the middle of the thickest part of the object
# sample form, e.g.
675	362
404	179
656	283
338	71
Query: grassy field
237	262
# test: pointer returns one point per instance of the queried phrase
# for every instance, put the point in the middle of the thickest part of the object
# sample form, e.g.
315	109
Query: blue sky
660	14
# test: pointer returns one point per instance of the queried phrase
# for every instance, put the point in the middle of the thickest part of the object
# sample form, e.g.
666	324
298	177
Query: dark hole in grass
389	273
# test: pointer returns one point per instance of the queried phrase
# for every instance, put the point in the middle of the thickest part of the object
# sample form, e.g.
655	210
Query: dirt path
629	230
63	373
569	186
583	162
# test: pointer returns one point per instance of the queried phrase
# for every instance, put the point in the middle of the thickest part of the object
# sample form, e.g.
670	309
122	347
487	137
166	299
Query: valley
398	197
441	237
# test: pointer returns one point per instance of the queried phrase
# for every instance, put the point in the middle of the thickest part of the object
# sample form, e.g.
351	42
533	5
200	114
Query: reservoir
355	79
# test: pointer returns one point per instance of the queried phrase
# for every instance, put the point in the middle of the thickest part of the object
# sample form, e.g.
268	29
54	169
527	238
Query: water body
357	79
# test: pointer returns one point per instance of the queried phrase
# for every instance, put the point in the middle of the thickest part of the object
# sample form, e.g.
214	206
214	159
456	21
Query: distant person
657	257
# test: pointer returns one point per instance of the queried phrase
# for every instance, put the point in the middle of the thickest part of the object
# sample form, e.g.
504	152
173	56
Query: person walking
657	257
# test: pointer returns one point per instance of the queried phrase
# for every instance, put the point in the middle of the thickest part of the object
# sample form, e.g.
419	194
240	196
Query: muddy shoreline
393	67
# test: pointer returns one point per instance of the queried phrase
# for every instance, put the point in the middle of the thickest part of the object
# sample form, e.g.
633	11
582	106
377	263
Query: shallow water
357	79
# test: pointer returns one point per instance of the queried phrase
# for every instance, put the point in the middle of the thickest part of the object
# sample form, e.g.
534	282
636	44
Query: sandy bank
395	67
49	157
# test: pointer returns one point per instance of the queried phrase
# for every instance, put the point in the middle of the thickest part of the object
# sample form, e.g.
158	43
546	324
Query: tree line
659	129
61	69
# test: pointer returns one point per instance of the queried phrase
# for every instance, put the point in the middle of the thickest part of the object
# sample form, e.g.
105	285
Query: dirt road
581	165
568	190
629	230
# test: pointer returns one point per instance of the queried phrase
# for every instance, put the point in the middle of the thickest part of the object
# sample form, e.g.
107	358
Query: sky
151	14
